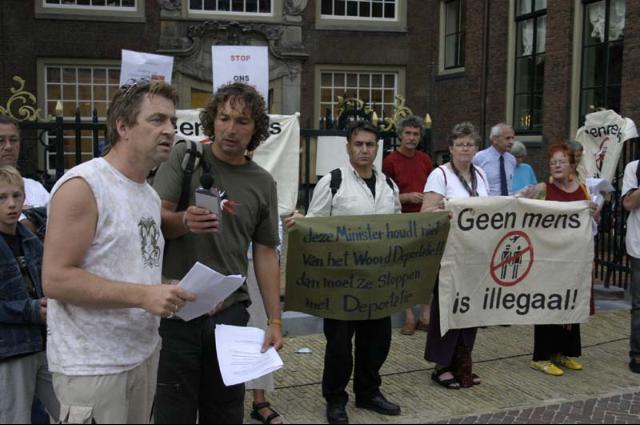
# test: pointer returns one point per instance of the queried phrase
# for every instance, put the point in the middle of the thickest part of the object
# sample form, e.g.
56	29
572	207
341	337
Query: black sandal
450	384
255	413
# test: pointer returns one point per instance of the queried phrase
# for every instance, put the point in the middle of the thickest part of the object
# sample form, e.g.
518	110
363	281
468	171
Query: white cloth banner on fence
516	261
279	154
603	137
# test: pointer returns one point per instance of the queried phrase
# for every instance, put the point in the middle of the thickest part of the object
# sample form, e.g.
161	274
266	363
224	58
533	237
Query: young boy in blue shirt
23	310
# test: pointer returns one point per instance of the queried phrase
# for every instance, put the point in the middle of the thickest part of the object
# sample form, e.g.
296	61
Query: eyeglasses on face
464	145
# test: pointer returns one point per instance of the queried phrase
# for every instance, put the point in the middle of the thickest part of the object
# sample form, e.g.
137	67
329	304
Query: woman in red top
558	345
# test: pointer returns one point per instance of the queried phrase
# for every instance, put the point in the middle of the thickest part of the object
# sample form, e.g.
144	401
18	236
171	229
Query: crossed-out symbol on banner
512	259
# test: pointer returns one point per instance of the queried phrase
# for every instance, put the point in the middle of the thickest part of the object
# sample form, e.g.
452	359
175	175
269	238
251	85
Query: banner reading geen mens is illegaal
516	261
363	267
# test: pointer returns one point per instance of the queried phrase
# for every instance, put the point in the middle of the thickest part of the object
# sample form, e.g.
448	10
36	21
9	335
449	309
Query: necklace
473	190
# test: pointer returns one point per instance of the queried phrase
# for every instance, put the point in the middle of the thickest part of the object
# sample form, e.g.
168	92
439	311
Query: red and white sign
241	64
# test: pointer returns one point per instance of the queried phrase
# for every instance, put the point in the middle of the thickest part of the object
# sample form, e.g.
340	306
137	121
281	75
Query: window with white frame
602	54
232	7
360	9
124	5
453	34
531	27
376	89
82	89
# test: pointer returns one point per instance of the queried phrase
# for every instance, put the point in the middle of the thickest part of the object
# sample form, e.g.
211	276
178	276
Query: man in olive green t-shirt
190	386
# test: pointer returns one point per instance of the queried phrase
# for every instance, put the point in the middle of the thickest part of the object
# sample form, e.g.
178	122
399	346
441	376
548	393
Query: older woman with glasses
524	175
457	179
557	346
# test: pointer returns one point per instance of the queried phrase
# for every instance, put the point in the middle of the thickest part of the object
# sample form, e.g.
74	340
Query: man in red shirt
409	168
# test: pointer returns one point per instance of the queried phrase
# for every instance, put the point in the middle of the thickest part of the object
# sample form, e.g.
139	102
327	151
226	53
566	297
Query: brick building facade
320	49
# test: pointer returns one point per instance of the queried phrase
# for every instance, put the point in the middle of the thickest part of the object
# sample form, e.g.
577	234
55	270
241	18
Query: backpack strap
390	183
638	174
336	181
190	162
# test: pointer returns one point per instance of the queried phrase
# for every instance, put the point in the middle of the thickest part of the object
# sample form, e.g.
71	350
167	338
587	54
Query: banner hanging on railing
516	261
603	137
279	154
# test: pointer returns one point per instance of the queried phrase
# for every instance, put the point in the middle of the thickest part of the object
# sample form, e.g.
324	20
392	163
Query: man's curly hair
238	94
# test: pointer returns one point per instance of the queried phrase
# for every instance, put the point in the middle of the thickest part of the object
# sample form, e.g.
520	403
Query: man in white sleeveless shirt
103	263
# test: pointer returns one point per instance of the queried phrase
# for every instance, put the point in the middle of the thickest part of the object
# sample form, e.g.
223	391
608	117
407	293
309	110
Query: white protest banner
516	261
603	137
241	64
279	154
332	154
188	126
145	66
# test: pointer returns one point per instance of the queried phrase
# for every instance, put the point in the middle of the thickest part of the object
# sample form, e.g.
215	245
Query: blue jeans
634	290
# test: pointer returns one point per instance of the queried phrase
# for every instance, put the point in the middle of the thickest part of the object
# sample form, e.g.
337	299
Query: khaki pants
123	398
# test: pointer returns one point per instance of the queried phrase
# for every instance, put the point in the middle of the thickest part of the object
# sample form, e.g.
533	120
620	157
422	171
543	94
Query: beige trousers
123	398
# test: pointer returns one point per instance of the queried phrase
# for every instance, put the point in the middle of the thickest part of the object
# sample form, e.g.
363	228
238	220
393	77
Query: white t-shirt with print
127	247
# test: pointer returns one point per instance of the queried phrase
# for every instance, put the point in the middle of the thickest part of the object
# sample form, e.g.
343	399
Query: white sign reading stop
241	64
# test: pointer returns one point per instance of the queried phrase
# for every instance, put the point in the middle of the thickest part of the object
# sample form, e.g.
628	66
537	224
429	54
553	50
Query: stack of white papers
239	354
210	288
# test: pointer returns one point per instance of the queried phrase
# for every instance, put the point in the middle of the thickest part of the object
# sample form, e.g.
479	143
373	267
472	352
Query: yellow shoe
548	368
568	362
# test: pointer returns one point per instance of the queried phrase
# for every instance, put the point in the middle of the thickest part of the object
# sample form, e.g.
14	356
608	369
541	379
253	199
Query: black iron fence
67	144
612	263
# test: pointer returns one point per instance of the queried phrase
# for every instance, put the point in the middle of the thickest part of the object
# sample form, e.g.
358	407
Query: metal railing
63	142
612	263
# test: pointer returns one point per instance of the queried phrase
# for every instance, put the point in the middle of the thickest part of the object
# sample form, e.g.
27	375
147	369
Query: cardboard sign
363	267
241	64
145	66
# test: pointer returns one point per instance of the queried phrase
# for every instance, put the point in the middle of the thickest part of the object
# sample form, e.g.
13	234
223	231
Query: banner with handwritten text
363	267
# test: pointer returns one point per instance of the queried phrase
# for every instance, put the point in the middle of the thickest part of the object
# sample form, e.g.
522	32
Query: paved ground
615	409
511	392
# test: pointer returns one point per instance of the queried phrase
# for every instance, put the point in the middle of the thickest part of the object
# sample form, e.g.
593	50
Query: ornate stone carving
235	33
170	4
193	52
293	10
